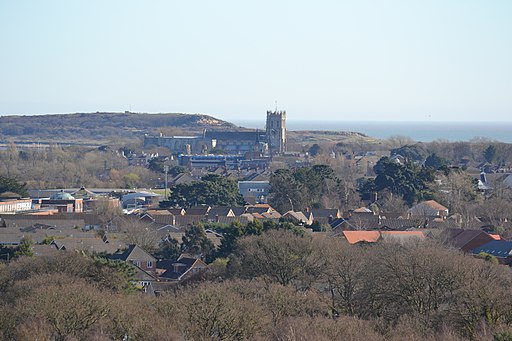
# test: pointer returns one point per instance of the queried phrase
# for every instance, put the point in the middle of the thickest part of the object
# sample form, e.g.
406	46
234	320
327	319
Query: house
500	249
429	208
271	215
44	250
185	267
88	244
259	208
466	240
14	205
138	257
402	236
198	210
139	200
220	211
238	210
182	179
354	237
325	215
508	181
401	224
177	211
61	220
399	159
363	210
254	191
338	223
297	217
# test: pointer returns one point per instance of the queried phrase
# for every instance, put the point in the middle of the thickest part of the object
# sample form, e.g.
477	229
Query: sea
418	131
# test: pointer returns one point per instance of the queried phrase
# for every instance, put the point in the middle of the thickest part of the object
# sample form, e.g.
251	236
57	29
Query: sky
397	60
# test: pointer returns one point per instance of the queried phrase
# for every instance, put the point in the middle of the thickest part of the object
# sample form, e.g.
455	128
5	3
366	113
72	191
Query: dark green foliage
213	189
409	181
316	226
269	225
11	185
125	271
435	162
169	249
286	192
254	227
490	153
300	188
173	171
25	248
411	152
6	253
314	150
233	232
230	234
195	242
156	164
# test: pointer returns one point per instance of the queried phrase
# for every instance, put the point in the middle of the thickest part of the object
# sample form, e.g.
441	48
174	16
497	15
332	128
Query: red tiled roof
435	205
361	236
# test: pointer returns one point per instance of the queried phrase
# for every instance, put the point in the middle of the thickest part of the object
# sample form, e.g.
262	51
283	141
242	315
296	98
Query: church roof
235	135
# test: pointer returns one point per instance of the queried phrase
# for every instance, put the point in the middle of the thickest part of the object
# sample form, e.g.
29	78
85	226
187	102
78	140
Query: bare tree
278	256
140	233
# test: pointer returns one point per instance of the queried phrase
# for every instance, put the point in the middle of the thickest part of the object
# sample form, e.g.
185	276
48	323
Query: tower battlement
276	113
276	131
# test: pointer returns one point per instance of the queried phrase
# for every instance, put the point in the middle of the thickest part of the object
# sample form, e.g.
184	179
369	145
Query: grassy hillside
103	126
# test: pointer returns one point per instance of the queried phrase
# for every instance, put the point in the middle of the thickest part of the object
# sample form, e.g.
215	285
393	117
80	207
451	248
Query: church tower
276	131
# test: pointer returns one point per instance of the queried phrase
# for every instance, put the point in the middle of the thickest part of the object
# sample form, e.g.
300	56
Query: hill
103	126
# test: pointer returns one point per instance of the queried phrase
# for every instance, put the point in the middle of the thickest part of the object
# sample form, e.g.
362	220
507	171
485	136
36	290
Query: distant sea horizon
418	131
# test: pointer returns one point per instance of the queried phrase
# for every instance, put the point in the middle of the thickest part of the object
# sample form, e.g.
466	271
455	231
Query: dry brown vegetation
94	127
294	288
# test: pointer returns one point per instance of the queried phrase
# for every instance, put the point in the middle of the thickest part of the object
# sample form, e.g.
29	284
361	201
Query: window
149	264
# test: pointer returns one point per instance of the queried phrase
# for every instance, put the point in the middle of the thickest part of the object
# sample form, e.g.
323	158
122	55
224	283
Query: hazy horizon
290	118
358	60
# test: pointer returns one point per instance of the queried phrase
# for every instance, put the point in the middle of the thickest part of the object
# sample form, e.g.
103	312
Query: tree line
277	285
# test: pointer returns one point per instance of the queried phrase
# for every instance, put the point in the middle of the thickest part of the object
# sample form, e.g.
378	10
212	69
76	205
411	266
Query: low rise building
15	205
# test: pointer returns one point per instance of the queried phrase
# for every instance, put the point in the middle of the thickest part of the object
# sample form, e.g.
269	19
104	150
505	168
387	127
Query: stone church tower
276	131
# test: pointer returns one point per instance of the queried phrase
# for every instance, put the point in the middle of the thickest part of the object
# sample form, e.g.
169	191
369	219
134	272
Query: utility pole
166	170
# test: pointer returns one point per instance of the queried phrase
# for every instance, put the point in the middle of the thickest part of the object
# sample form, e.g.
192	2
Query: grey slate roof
133	252
497	248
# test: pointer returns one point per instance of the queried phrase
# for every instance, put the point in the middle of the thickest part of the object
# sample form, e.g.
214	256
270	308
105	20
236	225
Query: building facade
272	141
15	205
276	131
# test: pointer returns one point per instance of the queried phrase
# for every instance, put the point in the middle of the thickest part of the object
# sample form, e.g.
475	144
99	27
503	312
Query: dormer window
149	264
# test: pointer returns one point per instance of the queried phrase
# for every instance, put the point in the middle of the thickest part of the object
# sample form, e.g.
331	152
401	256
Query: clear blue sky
344	60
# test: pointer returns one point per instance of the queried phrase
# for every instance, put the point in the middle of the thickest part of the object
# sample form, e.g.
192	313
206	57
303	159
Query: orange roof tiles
495	236
361	236
435	205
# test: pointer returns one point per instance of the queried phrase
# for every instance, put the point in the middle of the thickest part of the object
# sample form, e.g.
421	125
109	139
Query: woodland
277	285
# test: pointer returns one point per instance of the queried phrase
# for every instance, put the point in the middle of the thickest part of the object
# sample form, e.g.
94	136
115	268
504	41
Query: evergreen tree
490	153
25	247
11	185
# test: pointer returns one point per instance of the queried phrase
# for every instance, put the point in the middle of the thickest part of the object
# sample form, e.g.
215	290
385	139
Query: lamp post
166	170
